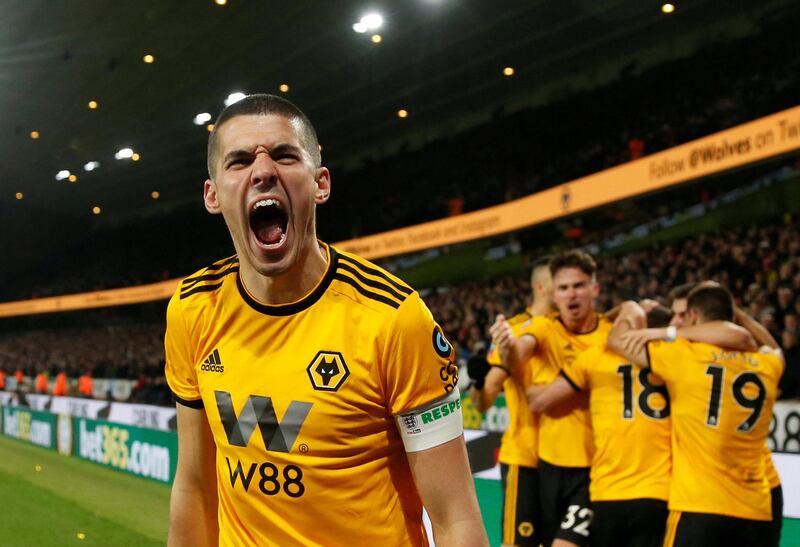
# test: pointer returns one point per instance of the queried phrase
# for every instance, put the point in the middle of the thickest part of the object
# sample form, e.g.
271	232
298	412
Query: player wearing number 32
630	412
316	394
721	404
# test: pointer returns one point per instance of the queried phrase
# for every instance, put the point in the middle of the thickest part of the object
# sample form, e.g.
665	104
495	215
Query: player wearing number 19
721	403
316	394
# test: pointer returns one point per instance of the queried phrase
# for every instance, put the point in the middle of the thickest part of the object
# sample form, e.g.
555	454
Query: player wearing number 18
721	403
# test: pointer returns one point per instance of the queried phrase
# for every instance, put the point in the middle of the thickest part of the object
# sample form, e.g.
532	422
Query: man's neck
291	285
539	308
582	326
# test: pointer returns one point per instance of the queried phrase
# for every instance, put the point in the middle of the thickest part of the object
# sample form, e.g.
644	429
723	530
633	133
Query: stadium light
234	98
34	135
202	118
124	154
148	59
19	195
63	174
376	38
91	166
668	8
371	21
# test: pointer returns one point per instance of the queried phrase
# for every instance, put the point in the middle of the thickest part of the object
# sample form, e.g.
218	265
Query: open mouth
573	306
269	221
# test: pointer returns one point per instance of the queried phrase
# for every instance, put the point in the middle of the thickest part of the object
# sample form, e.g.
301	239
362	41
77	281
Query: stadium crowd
531	149
761	265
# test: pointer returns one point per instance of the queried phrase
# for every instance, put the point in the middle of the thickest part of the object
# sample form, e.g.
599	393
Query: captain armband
433	424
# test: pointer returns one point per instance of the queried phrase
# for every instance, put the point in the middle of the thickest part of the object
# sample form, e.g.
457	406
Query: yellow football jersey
630	419
518	445
301	400
565	431
773	479
721	404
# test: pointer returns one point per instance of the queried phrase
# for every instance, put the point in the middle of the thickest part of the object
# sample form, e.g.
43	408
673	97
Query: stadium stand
531	149
761	264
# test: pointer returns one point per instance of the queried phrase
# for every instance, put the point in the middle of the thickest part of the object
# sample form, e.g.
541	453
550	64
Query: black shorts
629	523
566	512
521	509
777	515
707	530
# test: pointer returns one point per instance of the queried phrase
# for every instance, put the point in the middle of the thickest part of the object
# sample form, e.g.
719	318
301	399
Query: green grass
48	508
68	496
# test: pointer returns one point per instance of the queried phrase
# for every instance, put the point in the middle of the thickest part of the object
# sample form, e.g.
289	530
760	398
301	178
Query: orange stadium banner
747	143
95	299
757	140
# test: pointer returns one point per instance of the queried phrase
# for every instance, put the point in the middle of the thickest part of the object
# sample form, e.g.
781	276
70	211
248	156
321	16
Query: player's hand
502	337
477	369
635	340
533	392
648	305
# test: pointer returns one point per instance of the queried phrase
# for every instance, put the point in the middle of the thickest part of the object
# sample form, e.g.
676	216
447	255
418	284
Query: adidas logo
213	363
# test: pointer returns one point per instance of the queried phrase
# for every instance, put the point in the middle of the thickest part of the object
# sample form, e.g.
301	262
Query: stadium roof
442	60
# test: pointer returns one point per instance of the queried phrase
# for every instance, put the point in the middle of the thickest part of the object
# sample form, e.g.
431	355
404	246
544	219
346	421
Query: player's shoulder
604	323
368	284
207	281
519	318
520	322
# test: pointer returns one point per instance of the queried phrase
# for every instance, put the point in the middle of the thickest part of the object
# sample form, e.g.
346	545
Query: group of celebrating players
647	431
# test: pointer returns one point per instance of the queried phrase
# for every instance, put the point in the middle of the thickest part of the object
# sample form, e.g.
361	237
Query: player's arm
760	333
631	316
720	333
193	503
514	350
444	482
542	398
485	396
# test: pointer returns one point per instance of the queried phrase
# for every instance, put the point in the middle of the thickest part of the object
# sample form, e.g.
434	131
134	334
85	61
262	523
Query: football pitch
56	501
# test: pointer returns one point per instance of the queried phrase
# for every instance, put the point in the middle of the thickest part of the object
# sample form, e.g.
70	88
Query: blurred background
667	136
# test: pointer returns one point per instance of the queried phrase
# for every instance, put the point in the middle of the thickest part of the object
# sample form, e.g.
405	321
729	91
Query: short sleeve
662	356
179	369
536	327
418	362
576	372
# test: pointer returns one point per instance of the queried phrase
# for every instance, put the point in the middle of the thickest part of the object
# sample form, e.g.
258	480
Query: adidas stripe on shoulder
371	281
210	278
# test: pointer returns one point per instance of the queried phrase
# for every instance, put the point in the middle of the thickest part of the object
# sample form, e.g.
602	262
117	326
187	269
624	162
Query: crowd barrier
140	451
148	416
141	439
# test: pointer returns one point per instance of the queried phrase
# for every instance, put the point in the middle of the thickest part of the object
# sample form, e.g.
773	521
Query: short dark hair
659	317
712	302
681	291
262	104
573	259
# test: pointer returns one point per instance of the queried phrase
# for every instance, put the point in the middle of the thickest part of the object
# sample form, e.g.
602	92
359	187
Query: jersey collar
304	303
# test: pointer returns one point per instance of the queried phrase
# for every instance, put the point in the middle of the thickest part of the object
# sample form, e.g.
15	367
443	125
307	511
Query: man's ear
210	197
323	181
